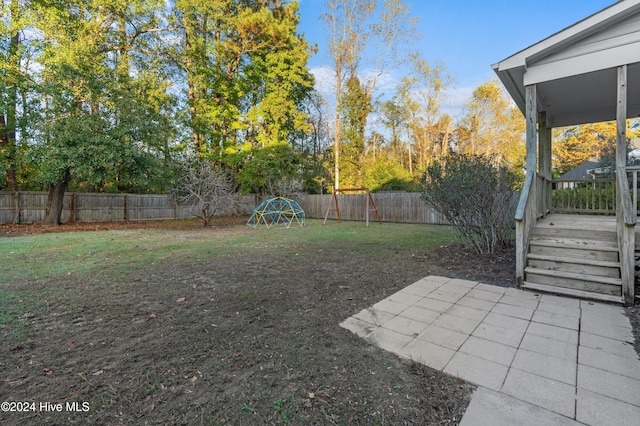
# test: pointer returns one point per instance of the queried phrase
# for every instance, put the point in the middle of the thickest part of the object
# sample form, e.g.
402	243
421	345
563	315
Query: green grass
31	262
48	256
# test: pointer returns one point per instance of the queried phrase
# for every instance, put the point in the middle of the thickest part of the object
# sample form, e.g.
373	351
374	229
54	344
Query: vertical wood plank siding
88	207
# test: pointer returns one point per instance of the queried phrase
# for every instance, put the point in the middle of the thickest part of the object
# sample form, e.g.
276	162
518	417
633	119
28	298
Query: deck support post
526	213
625	211
544	161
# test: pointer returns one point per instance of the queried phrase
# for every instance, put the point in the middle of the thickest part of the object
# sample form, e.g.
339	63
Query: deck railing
592	196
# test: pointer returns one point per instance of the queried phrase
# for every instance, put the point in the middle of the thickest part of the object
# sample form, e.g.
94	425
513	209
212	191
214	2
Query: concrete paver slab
490	408
388	340
546	393
505	321
429	354
417	313
443	337
477	370
455	323
523	302
546	366
613	385
609	316
476	303
556	319
433	304
481	294
605	329
405	326
609	362
499	334
466	312
566	302
617	347
544	345
491	351
513	311
404	298
557	308
597	410
553	332
445	296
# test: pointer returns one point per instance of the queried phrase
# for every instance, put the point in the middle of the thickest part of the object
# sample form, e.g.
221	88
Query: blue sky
467	36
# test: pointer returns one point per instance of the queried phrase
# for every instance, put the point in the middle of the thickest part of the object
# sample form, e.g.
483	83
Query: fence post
126	208
16	217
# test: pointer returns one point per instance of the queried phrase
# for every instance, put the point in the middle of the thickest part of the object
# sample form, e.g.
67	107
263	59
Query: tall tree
492	127
245	69
99	113
11	77
372	32
354	108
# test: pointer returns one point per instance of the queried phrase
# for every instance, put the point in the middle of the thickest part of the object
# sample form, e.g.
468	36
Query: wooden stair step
574	276
575	260
575	244
555	232
572	292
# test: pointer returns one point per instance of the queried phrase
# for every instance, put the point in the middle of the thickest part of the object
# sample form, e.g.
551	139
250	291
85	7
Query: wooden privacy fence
401	207
28	207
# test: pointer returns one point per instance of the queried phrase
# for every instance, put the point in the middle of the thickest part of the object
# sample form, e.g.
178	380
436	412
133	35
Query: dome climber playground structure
279	212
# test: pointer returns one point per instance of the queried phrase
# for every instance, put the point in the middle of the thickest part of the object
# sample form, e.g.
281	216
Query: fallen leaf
238	352
97	372
48	371
193	379
194	285
152	406
152	316
73	344
181	299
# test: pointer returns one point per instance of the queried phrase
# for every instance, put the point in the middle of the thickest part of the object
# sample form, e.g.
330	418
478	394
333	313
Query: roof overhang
575	70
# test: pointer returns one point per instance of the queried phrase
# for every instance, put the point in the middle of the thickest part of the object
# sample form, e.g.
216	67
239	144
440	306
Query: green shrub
476	196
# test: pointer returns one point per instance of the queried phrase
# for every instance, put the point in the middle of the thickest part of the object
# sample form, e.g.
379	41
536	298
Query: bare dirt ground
233	340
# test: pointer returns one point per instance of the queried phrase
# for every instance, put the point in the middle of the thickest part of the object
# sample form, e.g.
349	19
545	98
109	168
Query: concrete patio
538	359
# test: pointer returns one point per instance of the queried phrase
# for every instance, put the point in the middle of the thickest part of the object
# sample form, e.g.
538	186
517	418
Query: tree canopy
104	95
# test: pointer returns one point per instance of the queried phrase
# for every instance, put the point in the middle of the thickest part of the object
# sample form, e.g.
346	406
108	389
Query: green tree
355	108
246	74
492	126
98	120
356	27
267	167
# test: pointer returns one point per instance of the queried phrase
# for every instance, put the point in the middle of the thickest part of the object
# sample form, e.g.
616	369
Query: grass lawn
223	325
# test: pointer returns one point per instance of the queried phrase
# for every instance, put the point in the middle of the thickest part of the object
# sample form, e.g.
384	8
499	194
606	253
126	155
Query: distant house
590	169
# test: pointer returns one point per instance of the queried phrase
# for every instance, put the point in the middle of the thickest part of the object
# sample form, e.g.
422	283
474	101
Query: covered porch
588	72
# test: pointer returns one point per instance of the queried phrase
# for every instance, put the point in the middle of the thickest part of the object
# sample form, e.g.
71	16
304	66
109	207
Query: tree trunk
55	201
7	146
